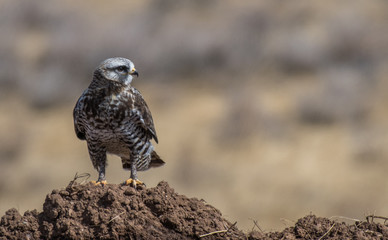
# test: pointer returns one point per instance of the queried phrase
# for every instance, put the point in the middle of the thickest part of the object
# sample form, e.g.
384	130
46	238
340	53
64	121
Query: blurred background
268	110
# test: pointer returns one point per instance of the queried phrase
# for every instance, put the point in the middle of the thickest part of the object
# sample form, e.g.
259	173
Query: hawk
113	117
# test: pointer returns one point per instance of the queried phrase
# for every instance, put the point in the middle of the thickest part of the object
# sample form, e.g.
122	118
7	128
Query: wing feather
79	129
144	114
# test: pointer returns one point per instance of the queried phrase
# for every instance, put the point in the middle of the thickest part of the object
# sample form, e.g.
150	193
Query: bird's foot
102	183
134	182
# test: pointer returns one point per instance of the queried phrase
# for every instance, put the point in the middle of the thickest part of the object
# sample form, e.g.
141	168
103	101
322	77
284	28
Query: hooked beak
135	73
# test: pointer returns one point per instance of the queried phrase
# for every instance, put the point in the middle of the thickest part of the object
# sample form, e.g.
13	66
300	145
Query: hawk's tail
156	161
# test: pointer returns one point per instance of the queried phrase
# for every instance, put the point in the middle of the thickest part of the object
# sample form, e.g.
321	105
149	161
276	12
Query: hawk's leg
101	174
98	157
133	180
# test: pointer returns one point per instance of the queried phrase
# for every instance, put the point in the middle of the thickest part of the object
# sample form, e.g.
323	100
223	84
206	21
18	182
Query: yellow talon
102	183
133	182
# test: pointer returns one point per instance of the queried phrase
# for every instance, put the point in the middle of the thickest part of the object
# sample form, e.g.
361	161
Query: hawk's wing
79	129
141	109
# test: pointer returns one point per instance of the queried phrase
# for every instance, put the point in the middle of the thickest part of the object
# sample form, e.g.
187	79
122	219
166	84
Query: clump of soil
312	227
86	211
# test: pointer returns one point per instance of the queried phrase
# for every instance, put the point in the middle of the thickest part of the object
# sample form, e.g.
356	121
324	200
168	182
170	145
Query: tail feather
156	161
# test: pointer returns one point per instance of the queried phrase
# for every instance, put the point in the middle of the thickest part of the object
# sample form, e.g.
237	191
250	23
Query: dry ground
112	211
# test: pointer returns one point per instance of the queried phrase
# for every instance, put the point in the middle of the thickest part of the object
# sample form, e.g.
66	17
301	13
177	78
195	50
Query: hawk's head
117	69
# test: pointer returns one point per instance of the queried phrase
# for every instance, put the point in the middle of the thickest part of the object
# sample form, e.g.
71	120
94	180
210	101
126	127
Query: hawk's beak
135	73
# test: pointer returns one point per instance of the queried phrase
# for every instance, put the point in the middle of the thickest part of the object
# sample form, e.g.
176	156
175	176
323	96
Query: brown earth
86	211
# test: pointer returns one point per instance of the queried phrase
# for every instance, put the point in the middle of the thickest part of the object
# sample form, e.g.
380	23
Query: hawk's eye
121	69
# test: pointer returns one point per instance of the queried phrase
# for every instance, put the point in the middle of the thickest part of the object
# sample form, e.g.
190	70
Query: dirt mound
121	212
116	211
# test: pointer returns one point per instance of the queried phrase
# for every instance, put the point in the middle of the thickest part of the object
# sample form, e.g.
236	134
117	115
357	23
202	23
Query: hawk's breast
109	124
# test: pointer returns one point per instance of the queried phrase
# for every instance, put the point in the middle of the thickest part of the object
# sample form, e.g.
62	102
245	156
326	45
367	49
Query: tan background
268	110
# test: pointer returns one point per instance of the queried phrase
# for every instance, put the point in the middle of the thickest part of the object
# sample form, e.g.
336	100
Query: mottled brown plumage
113	117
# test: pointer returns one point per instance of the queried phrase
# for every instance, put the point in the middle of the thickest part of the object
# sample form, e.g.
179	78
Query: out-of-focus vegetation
268	110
